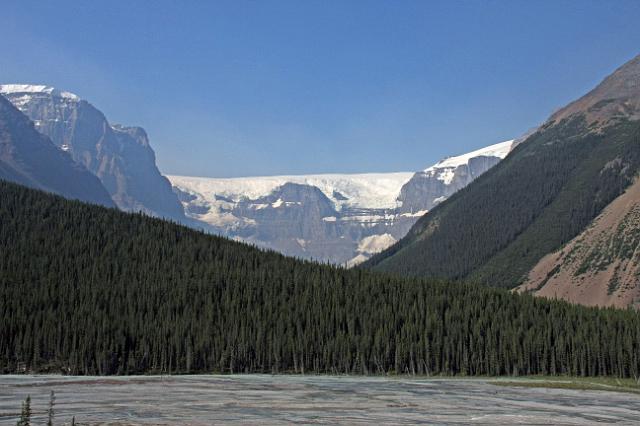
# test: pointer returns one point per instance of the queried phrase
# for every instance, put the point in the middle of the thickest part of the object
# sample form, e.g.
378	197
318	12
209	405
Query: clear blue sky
272	87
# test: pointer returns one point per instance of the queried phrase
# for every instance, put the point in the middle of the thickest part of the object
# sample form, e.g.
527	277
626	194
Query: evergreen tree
89	290
51	412
25	414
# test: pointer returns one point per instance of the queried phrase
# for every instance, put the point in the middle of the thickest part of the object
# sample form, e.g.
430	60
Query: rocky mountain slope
119	156
341	219
437	183
616	98
601	266
30	158
544	194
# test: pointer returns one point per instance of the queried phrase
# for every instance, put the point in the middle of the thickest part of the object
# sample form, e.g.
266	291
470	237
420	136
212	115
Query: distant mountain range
558	216
341	218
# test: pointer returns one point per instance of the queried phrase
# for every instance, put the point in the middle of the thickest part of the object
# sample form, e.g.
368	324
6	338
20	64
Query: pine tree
25	414
51	412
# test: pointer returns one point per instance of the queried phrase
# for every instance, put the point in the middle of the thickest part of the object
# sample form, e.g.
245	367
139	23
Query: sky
254	88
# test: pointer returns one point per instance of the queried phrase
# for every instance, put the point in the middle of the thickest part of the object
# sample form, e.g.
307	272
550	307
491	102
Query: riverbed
266	399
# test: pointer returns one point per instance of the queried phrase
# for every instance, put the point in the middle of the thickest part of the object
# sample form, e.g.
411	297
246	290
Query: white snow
444	169
439	199
419	213
367	200
36	88
370	190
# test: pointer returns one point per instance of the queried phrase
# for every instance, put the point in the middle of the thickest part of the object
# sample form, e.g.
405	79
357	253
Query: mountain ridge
378	207
30	158
542	195
120	156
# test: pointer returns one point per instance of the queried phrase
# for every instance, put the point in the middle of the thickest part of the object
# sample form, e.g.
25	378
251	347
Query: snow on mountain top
498	150
36	88
372	190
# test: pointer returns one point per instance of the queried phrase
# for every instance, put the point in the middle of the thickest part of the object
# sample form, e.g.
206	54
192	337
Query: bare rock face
427	189
342	219
30	158
119	156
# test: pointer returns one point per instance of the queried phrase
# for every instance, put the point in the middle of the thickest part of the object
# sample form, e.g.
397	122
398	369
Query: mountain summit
30	158
119	156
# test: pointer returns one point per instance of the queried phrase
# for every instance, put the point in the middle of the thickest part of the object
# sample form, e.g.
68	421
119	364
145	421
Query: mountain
342	219
437	183
88	290
601	266
549	188
30	158
119	156
323	217
616	99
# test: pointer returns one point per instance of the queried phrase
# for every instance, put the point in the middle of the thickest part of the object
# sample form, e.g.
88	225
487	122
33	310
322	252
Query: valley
316	213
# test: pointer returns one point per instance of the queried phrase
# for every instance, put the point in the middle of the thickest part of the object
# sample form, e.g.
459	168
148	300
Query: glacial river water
263	399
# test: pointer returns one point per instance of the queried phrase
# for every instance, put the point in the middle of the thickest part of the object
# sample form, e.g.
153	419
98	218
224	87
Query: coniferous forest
90	290
552	185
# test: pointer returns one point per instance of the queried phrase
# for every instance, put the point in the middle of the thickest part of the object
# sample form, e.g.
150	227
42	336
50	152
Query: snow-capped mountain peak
444	169
36	89
341	218
366	190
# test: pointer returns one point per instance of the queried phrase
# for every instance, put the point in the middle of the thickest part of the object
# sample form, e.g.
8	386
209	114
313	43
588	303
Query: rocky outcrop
29	158
119	156
428	188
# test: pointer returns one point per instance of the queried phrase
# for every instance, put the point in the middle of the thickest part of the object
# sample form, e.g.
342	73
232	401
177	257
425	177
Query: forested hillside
89	290
543	194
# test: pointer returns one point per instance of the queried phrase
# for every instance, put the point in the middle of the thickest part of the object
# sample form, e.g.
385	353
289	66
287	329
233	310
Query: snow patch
439	199
444	170
375	243
419	213
36	88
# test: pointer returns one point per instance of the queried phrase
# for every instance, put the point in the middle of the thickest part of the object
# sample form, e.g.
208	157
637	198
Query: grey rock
30	158
119	156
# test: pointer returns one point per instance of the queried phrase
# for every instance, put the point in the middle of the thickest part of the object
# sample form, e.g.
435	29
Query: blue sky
273	87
